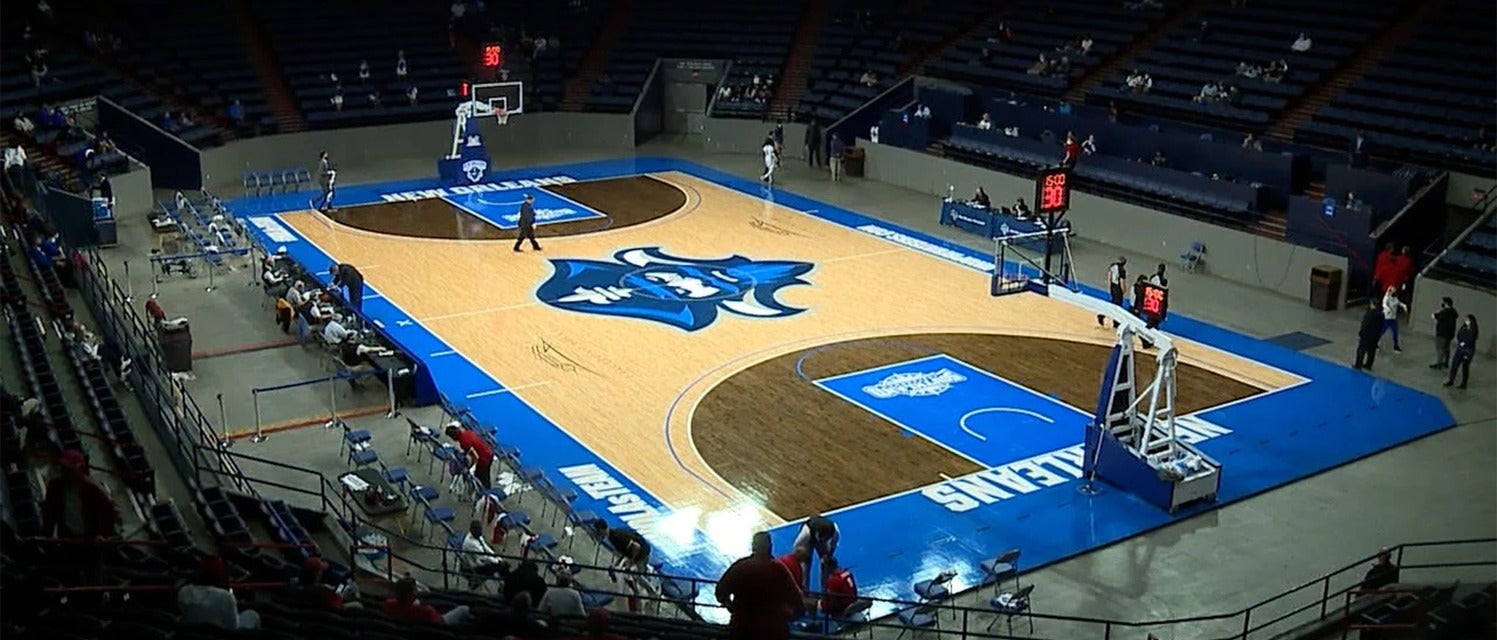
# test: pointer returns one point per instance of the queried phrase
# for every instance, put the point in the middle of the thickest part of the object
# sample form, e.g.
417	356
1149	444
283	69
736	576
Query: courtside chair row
282	180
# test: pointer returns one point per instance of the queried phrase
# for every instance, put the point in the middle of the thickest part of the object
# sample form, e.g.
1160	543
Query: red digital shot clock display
493	55
1052	192
1155	303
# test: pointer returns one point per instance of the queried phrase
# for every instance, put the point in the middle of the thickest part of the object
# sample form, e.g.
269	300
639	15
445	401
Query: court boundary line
980	464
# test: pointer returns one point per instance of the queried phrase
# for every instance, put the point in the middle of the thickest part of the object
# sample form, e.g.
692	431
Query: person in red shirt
478	451
597	627
840	590
76	505
796	562
1401	273
760	595
1073	150
1382	269
403	606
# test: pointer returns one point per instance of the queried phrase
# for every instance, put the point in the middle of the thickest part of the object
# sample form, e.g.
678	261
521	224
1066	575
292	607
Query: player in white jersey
771	160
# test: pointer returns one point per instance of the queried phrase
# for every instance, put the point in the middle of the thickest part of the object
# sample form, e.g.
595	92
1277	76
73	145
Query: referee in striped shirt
1117	277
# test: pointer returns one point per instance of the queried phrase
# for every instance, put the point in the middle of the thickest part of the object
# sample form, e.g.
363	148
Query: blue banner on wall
174	163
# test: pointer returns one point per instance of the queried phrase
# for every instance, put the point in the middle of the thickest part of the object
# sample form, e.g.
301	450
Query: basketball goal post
498	100
1032	261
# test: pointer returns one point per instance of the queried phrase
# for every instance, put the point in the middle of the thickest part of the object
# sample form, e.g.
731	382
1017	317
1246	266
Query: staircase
277	93
1352	69
794	79
917	62
1125	58
43	162
591	65
1273	225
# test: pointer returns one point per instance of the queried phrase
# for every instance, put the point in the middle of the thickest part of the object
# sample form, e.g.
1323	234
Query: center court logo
648	284
915	385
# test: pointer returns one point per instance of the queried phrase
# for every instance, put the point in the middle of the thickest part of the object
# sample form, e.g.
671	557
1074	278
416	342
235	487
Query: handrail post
1325	594
1247	621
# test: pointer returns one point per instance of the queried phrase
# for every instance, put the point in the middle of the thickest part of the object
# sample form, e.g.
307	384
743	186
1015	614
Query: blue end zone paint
503	209
1337	416
1298	340
973	413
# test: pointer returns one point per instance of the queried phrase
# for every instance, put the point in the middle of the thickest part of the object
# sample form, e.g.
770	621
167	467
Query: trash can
1325	287
852	164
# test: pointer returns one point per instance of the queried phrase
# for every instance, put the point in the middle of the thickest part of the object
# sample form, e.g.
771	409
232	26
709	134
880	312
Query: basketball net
501	114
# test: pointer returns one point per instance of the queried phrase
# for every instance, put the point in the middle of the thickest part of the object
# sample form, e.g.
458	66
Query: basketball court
701	357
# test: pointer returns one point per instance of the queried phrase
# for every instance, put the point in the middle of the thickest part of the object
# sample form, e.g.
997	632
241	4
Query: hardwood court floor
631	201
741	429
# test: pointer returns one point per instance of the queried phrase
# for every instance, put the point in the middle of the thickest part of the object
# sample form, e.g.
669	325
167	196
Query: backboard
508	96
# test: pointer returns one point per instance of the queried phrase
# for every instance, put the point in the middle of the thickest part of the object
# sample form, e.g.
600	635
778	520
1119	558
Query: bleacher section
1110	25
1431	100
756	33
308	55
199	54
576	31
1256	34
1474	260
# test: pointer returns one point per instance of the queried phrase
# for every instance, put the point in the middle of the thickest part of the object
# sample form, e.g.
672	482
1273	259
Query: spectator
1021	210
1392	307
24	126
922	111
1252	143
597	627
1005	34
1112	111
1064	108
985	123
400	66
1276	71
103	189
15	166
1465	350
1368	335
402	606
1382	268
1203	32
1159	159
1040	66
1086	45
236	112
840	590
1089	145
1382	572
835	151
410	94
873	133
478	452
1301	44
522	622
309	590
77	506
799	558
337	99
1351	201
868	79
207	599
39	70
760	595
373	97
1402	267
525	579
169	122
1208	94
364	71
1359	148
1060	67
815	147
1445	318
1072	151
481	560
562	599
1248	70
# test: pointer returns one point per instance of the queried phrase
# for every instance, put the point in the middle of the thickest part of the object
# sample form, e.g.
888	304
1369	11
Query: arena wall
1234	255
132	191
739	135
1427	294
372	145
1461	186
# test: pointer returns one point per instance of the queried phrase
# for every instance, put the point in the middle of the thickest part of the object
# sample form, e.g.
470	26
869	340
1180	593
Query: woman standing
1465	349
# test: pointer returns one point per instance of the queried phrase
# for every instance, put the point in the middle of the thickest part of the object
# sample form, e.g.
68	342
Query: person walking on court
1117	275
1368	336
837	149
813	144
527	224
345	275
1392	307
771	160
328	176
1465	350
1445	318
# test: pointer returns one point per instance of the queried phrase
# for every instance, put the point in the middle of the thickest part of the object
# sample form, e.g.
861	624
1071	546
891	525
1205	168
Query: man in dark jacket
1465	350
1368	335
527	224
1445	318
813	144
346	275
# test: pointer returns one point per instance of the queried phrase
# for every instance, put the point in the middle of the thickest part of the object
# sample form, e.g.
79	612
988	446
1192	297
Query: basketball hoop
502	115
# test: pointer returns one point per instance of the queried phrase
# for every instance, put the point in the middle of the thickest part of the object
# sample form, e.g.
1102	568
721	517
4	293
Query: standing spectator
364	72
24	126
1368	335
1445	318
478	452
15	166
337	99
1401	270
1465	350
207	599
1112	111
76	505
836	153
526	579
813	144
1382	268
236	112
39	70
796	563
1072	151
1359	149
561	599
760	595
1392	307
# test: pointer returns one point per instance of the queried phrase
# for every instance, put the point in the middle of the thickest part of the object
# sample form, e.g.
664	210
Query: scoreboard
1153	303
1052	192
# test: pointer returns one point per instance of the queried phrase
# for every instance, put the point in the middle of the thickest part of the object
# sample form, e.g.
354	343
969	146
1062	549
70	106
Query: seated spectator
309	590
1005	34
1070	46
1112	111
1301	44
521	621
1159	160
1020	209
985	123
981	199
1139	82
1248	70
207	599
1229	95
1060	67
169	122
1089	145
236	112
873	133
400	66
1209	93
839	590
986	55
76	505
526	578
39	70
337	100
1382	573
1252	143
402	606
1086	45
922	111
334	332
373	98
410	94
364	71
1012	132
481	560
597	627
24	126
1064	108
868	79
1351	201
562	599
1072	151
1040	66
1275	71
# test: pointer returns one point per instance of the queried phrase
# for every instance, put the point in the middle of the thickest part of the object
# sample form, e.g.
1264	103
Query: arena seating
1430	100
756	33
1474	260
885	40
1110	25
1256	34
299	38
576	31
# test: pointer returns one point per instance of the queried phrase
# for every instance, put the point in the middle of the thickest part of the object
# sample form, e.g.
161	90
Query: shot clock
1052	193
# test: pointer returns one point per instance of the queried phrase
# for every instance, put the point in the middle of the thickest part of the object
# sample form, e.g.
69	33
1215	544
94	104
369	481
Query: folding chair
288	180
1001	568
1010	605
303	177
1192	257
922	616
251	184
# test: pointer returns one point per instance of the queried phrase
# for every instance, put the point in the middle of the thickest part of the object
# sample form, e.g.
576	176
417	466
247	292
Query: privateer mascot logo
648	284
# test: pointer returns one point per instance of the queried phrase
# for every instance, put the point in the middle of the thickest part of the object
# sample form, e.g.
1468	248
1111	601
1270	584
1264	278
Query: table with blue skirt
988	223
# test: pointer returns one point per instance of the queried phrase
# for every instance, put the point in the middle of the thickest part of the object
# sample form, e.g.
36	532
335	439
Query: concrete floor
1440	487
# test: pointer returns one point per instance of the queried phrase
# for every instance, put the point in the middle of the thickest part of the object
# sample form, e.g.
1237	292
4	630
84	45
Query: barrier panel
264	413
174	163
